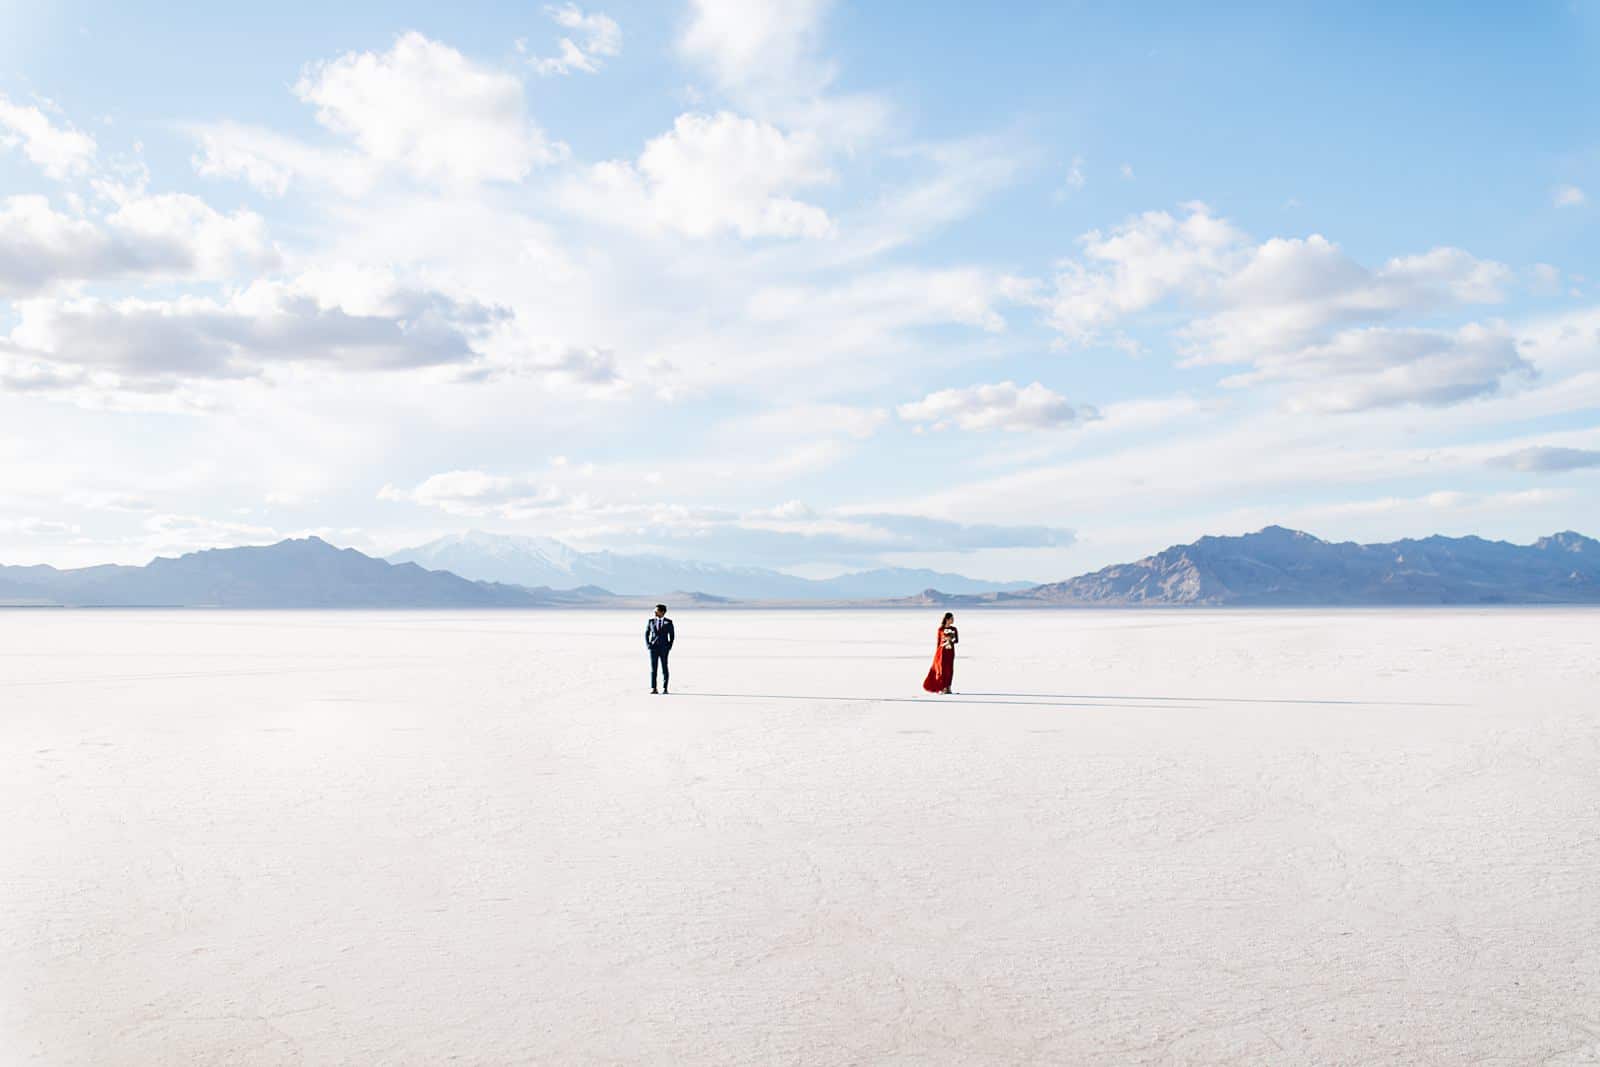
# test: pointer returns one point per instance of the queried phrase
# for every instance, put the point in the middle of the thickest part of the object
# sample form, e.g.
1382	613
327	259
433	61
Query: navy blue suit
658	637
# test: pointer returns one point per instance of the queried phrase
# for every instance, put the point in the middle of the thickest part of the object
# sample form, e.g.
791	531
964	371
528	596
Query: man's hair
661	607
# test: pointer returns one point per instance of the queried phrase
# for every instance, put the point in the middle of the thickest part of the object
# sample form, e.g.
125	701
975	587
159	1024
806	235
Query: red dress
944	661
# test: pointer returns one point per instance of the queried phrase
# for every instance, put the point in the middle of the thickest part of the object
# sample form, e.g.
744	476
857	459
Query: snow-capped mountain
541	561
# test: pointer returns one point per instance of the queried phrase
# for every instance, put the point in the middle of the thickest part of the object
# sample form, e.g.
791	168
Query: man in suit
658	638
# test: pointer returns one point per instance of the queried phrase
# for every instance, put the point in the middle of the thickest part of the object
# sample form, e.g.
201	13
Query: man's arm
672	633
647	635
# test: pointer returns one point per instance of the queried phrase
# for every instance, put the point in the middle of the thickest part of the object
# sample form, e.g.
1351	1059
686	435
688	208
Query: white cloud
1139	264
1567	341
60	151
1568	196
1279	293
170	533
1382	367
599	37
789	531
1547	459
747	44
194	237
34	526
170	236
1297	309
871	305
594	369
271	162
425	108
803	421
963	173
712	174
1002	406
1430	506
157	345
1144	414
1075	179
1291	292
476	494
763	55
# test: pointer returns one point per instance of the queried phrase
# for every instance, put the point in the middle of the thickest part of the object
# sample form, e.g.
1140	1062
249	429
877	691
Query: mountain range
1277	566
1274	566
304	573
540	561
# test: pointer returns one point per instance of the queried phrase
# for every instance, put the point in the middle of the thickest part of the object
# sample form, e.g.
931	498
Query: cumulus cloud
1549	460
160	344
1296	309
744	44
1278	293
170	236
1002	406
1566	342
712	174
1290	293
1568	196
763	55
59	150
426	109
598	36
421	108
19	374
1139	264
1358	370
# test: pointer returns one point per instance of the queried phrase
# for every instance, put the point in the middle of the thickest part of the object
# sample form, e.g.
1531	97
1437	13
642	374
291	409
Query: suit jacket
659	634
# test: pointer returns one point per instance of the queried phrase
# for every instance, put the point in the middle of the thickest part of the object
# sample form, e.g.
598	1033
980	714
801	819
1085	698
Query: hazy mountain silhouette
546	562
1281	566
1273	566
304	573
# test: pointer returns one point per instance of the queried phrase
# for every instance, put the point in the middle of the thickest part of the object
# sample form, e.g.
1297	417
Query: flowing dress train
944	661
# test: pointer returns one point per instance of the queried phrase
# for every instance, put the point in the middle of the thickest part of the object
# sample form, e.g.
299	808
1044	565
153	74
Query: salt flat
1162	837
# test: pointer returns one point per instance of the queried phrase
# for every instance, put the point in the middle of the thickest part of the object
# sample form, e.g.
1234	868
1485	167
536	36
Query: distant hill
304	573
540	561
1277	566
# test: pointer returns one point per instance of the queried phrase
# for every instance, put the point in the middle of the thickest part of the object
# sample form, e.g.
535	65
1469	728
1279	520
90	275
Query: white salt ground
1163	837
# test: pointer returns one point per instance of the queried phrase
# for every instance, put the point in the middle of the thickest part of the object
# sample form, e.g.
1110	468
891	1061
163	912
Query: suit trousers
659	656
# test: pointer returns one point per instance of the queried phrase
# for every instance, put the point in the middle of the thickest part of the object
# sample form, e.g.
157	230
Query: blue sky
1018	292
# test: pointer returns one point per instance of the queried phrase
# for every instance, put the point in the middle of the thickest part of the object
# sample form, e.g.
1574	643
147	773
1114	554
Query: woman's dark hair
947	617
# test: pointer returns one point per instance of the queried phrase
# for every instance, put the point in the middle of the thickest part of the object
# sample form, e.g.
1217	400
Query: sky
1017	290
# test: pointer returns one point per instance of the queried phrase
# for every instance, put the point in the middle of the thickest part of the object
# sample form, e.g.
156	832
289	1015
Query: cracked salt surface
1164	837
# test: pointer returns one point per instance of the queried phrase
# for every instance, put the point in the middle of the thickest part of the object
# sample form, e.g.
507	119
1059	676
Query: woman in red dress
944	657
